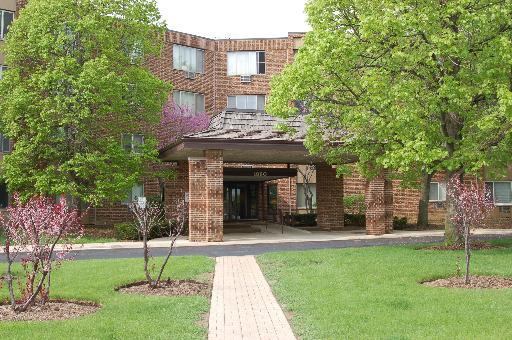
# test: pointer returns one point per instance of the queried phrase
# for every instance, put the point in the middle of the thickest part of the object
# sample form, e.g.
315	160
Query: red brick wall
329	198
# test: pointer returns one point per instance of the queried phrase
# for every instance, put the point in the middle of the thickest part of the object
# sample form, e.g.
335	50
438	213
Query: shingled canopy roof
245	136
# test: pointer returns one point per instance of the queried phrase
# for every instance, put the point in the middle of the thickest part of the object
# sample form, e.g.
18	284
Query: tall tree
406	85
76	83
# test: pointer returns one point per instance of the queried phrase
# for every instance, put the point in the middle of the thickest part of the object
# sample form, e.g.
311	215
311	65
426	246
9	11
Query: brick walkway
243	306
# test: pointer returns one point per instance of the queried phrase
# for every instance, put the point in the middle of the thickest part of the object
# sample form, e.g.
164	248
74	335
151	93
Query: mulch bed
477	282
168	288
475	245
51	311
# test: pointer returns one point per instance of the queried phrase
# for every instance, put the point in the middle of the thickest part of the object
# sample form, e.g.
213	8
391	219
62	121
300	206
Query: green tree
77	81
412	86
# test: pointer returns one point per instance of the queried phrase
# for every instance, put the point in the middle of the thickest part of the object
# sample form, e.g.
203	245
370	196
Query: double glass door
240	201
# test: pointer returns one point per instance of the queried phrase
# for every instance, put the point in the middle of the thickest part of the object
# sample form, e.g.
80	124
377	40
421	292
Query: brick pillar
379	205
329	198
206	197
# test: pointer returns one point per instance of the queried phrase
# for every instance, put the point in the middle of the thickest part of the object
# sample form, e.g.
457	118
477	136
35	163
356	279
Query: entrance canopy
248	136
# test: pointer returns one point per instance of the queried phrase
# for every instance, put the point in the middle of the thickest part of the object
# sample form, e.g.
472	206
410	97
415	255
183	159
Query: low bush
400	223
302	219
355	220
126	231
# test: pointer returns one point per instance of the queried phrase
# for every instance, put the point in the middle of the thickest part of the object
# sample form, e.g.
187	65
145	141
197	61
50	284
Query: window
500	192
136	191
247	102
191	100
5	144
6	18
3	68
301	196
437	192
246	63
188	59
272	199
132	142
4	196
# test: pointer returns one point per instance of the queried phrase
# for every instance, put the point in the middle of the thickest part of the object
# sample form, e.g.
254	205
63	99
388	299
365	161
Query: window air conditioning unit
245	79
190	75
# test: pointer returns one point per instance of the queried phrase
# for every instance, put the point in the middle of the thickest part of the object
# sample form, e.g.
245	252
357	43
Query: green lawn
123	316
372	293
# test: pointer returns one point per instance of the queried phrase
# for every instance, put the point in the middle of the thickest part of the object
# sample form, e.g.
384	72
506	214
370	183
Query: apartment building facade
252	174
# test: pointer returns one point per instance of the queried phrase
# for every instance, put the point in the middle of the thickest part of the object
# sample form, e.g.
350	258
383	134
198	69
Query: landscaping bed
122	316
169	288
376	292
477	282
53	310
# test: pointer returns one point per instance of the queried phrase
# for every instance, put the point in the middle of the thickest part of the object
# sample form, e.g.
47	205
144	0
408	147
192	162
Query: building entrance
240	201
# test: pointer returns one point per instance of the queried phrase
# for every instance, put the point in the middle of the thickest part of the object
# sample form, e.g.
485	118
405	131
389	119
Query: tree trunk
452	235
424	199
467	249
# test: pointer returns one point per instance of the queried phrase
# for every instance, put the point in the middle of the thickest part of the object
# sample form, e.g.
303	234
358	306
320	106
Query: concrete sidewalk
291	235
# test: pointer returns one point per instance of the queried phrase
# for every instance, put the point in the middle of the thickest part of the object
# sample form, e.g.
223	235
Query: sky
218	19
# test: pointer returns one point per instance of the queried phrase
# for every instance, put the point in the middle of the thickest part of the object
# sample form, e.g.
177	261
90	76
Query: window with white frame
191	100
3	68
437	192
188	59
132	142
246	63
246	102
500	192
6	18
5	144
134	193
301	195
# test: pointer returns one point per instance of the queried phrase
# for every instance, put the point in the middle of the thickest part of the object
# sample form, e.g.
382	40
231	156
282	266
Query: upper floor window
132	142
191	100
3	68
5	21
437	192
188	59
246	63
500	192
247	102
5	144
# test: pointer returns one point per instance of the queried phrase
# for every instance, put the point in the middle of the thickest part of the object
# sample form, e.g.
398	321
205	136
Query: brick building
241	168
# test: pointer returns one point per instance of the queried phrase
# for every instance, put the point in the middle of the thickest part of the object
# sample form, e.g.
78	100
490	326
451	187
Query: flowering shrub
178	121
471	206
147	217
32	231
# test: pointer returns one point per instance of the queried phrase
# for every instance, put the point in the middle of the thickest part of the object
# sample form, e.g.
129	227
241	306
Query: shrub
355	220
355	204
400	223
126	231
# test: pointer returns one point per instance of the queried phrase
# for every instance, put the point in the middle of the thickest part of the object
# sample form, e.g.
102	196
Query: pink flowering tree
177	121
471	206
147	216
33	230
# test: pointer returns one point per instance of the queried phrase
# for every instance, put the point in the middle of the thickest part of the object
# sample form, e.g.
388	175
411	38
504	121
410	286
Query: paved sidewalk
291	235
243	306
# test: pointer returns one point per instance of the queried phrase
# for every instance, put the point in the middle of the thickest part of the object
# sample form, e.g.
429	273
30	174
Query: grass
123	316
373	293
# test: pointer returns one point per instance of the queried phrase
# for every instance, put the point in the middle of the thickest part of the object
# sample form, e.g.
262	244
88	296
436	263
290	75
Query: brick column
329	198
206	197
379	205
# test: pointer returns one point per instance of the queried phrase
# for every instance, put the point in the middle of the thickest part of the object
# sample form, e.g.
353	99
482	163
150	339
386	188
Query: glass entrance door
240	201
